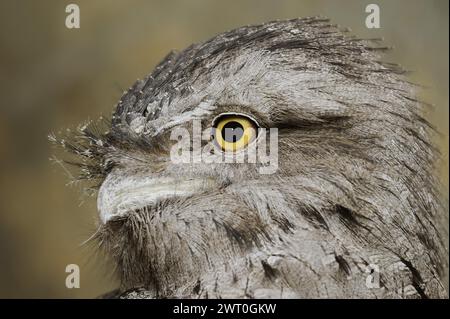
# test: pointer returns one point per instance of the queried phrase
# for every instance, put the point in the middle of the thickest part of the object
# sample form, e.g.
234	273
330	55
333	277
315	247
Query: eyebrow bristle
86	146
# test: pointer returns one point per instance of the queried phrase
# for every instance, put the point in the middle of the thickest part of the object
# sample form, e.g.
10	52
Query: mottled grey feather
355	184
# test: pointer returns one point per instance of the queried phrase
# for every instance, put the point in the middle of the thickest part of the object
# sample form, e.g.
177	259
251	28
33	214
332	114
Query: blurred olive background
52	77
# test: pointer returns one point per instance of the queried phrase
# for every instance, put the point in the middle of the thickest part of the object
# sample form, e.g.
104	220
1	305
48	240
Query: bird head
342	177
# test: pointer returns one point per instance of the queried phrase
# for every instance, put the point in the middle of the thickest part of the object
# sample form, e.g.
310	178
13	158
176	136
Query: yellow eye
233	132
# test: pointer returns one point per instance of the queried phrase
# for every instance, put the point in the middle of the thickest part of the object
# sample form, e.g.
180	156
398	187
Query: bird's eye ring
233	132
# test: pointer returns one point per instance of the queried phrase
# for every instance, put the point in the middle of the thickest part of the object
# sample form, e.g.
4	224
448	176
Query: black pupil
232	132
